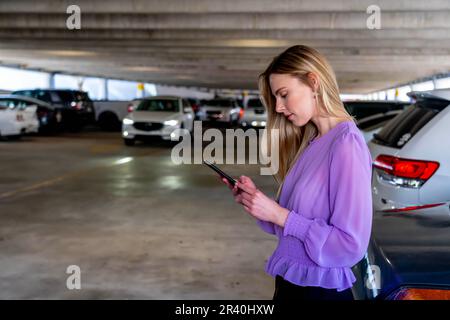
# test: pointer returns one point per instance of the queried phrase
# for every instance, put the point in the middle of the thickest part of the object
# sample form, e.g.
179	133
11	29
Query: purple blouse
328	193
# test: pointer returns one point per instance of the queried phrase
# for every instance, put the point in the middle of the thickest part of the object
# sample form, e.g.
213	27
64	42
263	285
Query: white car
48	116
157	116
220	110
15	121
411	155
254	114
372	124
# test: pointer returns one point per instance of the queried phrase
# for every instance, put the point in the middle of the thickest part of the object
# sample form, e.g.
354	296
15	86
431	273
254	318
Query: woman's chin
298	123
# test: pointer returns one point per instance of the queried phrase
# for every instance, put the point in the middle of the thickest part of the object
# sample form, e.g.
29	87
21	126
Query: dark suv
77	109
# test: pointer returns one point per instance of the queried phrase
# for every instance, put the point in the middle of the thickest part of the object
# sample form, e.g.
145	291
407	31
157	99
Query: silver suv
411	168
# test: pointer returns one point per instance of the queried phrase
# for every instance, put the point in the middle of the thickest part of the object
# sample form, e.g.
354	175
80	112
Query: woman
323	214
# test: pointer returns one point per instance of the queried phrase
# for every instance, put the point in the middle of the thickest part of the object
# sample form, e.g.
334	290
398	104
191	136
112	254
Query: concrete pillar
434	82
105	89
51	80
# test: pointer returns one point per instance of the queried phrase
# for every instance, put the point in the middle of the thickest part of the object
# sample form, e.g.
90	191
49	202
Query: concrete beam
245	21
217	6
220	34
335	47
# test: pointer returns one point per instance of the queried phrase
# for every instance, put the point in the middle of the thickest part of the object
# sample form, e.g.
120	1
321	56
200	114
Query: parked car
49	118
76	107
17	120
254	114
372	124
362	109
408	257
225	110
412	154
157	116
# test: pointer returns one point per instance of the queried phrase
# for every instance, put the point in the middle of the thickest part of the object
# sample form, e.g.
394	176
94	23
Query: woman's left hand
259	205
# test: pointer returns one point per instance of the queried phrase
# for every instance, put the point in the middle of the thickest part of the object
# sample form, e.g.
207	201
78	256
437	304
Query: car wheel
108	121
129	142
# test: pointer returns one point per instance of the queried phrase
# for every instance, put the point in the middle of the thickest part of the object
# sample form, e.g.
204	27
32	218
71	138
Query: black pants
284	290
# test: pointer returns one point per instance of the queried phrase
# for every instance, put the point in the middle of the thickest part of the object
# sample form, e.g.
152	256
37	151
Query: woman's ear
314	81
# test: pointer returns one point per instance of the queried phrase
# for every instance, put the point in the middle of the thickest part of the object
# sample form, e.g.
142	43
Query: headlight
171	122
127	121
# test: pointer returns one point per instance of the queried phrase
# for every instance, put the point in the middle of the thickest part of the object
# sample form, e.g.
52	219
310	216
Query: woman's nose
279	107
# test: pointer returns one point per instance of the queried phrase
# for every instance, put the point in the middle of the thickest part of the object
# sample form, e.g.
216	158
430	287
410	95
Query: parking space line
32	187
46	183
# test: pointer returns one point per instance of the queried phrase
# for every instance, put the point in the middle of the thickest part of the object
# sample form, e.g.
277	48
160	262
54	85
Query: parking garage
93	204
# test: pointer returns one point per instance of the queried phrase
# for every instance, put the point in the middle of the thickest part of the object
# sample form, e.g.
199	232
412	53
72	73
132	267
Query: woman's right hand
235	190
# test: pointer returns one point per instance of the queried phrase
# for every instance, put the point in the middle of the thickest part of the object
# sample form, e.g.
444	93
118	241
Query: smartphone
220	172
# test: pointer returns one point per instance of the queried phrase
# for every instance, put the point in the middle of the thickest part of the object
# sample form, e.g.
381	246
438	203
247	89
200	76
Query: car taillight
195	107
420	294
411	173
77	105
411	208
130	108
241	113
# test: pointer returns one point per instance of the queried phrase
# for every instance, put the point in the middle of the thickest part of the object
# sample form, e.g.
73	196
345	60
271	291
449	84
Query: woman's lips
290	117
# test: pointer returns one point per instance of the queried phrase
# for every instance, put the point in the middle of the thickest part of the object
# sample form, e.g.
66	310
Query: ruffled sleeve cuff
297	226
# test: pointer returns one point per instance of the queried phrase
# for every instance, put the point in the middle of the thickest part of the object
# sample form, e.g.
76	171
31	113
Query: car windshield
219	103
397	132
254	103
166	105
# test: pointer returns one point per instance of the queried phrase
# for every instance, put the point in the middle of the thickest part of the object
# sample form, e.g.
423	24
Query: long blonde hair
299	61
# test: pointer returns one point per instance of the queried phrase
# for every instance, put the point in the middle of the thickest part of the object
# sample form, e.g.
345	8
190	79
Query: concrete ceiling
226	44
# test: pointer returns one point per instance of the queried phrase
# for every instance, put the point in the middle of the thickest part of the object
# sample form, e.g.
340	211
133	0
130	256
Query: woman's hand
257	203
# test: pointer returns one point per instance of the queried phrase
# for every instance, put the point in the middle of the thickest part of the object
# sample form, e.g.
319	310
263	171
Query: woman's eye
283	96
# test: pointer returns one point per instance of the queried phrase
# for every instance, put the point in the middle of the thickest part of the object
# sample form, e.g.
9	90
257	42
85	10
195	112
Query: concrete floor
144	229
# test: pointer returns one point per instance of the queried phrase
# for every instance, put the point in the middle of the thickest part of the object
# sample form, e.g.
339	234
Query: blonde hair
299	61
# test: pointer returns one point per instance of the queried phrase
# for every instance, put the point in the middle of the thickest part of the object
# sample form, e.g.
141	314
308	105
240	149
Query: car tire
108	121
129	142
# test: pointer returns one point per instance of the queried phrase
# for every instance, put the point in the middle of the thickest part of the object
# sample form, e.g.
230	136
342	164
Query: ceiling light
69	53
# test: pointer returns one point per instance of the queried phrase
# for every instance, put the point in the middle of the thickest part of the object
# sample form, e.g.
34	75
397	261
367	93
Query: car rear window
401	129
69	96
159	105
41	95
254	103
66	96
361	110
81	96
220	103
371	124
